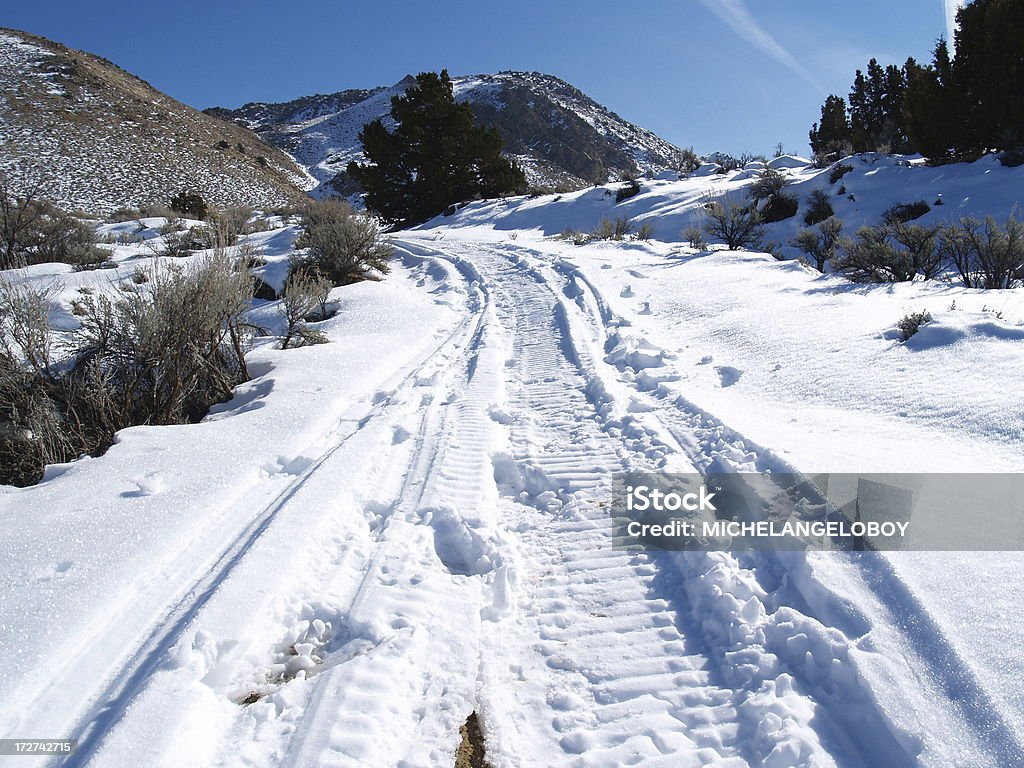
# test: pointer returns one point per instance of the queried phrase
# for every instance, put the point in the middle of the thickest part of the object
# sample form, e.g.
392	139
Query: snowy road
445	550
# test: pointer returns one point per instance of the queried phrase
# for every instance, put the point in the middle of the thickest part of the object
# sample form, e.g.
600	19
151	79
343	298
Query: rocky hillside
561	137
99	138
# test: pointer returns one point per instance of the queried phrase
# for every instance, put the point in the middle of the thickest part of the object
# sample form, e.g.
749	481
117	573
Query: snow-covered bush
985	255
736	225
341	245
821	242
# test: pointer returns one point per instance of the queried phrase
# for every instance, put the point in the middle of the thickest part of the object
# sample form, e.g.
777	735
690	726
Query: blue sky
713	74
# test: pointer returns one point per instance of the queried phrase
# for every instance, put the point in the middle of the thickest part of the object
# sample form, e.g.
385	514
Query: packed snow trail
448	551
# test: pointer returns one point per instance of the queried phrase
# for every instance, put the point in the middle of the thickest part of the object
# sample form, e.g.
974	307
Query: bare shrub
644	232
612	229
870	257
229	224
738	226
574	235
58	237
694	237
341	245
304	295
819	208
922	247
985	255
162	351
901	213
838	171
769	184
821	242
34	231
18	216
891	254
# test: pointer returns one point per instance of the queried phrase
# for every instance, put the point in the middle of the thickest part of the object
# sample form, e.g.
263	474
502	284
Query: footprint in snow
728	374
627	292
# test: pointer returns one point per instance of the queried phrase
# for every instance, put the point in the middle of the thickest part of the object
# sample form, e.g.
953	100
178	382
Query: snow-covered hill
99	138
560	136
872	185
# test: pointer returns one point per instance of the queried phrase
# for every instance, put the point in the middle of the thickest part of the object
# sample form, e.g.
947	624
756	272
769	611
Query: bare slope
100	138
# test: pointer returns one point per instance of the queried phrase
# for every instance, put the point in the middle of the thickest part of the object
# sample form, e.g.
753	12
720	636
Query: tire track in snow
596	663
132	675
440	569
812	652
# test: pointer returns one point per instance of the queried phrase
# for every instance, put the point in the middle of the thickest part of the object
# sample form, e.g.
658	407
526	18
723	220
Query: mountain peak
561	137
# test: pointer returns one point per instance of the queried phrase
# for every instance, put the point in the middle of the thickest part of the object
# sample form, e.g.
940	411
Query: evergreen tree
436	156
988	72
928	103
831	137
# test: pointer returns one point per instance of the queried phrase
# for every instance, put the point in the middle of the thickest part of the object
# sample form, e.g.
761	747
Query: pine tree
988	70
925	105
831	137
435	157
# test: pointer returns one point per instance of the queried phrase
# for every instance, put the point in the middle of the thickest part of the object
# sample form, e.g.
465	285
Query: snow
380	535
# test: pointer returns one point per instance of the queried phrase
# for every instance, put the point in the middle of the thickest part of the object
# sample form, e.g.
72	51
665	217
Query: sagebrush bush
574	235
341	245
228	224
819	208
34	231
769	184
161	351
821	242
612	229
891	254
901	213
694	237
304	295
189	204
738	226
630	189
644	232
838	171
985	255
779	208
911	323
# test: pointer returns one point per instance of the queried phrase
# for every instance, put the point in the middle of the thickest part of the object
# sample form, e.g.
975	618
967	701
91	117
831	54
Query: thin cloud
952	6
735	14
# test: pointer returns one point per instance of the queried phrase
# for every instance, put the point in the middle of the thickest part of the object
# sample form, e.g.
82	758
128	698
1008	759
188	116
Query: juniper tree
436	156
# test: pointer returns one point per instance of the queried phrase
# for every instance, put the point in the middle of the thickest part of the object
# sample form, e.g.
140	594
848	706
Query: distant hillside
100	138
560	136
